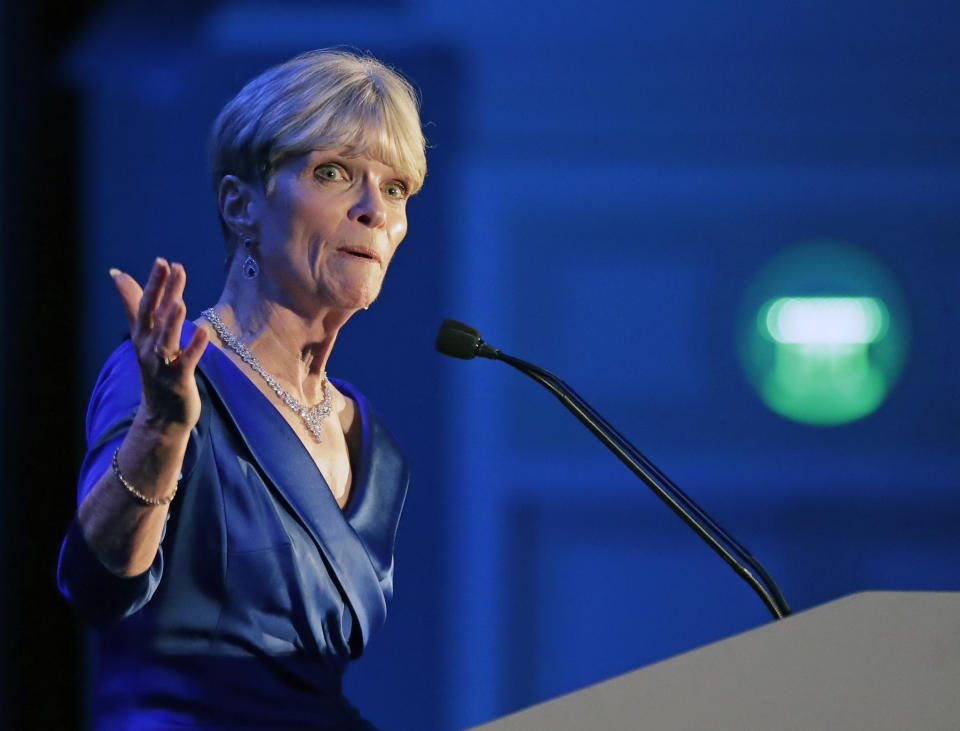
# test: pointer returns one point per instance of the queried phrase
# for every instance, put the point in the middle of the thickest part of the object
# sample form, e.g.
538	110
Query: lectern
884	661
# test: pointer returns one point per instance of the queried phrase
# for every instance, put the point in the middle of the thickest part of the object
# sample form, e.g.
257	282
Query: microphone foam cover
457	343
457	325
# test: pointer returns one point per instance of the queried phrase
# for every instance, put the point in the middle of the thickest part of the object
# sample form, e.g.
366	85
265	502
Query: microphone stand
463	341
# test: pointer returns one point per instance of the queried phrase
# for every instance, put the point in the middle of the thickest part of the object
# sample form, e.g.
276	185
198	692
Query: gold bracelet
139	496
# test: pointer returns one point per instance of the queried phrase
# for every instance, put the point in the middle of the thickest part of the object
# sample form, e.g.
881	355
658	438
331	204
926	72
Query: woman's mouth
360	252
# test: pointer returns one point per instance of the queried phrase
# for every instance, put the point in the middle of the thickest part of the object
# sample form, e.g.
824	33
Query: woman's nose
369	208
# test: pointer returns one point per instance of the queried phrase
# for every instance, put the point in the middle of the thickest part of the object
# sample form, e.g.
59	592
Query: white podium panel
883	661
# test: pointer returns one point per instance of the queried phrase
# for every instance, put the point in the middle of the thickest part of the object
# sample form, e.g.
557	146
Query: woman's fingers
148	309
151	296
172	291
130	293
191	354
157	314
171	314
167	344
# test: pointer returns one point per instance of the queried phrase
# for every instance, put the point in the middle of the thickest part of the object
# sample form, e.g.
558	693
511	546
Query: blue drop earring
251	269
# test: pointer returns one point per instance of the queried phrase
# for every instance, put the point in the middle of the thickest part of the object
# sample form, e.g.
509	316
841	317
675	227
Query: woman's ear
235	198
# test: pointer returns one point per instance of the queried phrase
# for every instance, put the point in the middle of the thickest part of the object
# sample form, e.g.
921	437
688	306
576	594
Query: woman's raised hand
167	373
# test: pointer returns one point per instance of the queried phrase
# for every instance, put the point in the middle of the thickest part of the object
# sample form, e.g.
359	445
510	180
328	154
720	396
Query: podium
875	660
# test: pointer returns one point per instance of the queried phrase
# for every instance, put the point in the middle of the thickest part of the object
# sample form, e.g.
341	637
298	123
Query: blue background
606	179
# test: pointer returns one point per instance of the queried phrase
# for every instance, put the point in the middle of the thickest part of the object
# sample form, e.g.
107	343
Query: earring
251	269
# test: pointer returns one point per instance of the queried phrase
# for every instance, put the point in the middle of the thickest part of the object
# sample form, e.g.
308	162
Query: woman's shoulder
117	390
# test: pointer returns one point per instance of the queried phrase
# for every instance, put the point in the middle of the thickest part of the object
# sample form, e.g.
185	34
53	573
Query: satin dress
263	588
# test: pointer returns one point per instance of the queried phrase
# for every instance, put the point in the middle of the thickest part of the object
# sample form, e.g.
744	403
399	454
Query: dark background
606	183
41	225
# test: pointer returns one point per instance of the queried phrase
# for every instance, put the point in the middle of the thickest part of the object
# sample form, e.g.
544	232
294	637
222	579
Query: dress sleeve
99	595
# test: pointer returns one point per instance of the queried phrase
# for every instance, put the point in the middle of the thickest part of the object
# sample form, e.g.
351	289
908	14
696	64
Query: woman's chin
358	299
353	294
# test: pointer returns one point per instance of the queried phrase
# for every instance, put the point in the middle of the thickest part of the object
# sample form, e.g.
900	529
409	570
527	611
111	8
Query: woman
237	508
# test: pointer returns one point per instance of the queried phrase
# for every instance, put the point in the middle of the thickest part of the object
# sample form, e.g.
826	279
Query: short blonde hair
319	100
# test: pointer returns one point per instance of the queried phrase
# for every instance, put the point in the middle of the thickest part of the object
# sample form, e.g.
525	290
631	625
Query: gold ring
165	359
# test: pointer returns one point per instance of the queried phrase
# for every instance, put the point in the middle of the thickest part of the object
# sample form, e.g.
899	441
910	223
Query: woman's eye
396	190
329	172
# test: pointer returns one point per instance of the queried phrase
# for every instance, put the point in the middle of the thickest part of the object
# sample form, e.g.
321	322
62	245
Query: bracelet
139	496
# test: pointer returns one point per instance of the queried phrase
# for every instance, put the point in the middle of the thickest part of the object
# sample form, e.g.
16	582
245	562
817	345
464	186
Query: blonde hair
319	100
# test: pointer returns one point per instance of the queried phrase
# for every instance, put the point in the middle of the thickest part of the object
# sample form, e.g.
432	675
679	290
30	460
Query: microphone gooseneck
460	340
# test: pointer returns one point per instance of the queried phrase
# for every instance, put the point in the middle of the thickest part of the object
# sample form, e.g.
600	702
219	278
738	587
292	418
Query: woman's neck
292	346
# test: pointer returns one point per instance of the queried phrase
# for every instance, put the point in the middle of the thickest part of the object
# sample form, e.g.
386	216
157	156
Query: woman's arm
123	529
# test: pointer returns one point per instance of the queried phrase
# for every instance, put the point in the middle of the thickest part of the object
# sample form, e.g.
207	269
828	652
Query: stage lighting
824	333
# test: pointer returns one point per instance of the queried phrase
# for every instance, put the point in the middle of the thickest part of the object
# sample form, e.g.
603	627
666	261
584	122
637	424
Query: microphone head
457	325
458	339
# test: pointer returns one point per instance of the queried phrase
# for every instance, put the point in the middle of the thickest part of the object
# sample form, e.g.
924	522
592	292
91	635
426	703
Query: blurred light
824	333
825	320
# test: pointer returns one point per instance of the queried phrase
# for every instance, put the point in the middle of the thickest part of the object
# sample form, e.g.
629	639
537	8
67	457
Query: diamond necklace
313	416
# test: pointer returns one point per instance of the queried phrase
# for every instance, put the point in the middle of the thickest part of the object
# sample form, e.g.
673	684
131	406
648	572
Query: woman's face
329	228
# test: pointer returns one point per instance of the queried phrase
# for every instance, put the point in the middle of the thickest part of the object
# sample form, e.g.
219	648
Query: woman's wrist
151	455
123	526
160	429
134	492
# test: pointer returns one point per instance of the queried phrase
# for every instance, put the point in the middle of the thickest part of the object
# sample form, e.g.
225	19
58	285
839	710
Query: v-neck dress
263	588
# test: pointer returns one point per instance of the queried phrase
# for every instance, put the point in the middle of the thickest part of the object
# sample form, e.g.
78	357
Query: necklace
313	416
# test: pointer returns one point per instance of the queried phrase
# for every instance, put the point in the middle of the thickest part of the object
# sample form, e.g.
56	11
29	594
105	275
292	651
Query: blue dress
263	588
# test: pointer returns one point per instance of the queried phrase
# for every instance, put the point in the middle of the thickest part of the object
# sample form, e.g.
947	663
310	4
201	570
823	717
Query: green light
827	334
824	384
825	320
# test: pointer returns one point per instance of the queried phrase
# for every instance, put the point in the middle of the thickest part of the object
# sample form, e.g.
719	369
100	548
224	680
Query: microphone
459	340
